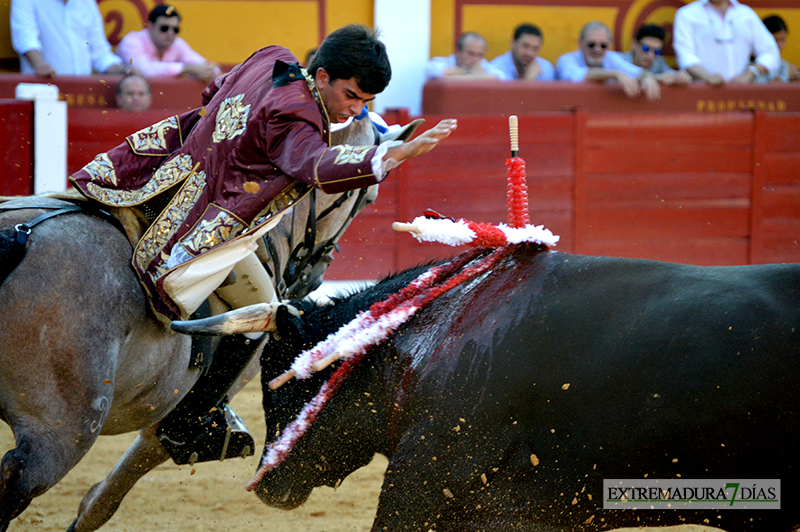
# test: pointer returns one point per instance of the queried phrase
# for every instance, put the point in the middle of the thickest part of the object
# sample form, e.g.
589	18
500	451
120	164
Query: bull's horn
254	318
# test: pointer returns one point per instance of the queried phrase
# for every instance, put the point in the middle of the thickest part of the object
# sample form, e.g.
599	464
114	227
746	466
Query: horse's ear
404	133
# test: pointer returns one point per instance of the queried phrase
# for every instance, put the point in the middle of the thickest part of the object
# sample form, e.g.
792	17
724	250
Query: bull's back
615	368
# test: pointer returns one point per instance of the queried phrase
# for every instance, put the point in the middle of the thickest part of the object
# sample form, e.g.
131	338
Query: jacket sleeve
294	144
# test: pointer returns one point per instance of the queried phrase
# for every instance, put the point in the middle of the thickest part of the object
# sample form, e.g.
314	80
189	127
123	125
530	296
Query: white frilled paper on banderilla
355	338
461	232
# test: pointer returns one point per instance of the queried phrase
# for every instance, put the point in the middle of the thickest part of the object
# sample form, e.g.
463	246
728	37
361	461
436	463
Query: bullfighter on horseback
214	180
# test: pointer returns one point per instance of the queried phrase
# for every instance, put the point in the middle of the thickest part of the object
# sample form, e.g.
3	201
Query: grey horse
82	355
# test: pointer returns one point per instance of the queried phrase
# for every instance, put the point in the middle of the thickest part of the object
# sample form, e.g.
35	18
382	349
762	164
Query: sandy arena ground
208	497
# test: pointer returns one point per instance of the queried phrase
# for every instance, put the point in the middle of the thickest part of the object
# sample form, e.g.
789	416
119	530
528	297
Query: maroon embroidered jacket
254	149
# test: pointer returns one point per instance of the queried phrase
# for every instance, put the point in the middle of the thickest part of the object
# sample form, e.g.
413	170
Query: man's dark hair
527	29
163	10
651	30
466	35
354	51
774	24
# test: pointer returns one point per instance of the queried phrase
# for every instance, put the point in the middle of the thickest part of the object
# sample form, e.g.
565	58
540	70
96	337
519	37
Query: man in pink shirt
157	50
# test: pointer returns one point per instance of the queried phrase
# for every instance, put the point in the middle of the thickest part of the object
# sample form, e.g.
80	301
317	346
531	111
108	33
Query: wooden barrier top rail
491	97
99	91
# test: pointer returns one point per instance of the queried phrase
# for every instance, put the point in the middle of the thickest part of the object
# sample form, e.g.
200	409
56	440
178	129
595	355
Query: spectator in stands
715	39
786	71
61	38
647	51
522	61
157	50
133	93
309	57
593	61
467	62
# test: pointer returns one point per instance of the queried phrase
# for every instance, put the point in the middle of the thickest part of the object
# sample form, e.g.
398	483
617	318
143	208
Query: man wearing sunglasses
594	61
157	50
647	51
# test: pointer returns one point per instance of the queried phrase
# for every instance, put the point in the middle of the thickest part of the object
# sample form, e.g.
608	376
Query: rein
298	276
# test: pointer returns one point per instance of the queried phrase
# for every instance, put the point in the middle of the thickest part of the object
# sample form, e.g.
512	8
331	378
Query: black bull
505	403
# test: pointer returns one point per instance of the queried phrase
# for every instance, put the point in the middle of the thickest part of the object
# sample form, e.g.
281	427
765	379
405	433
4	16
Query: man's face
646	50
134	96
164	31
594	46
471	52
342	97
780	39
526	49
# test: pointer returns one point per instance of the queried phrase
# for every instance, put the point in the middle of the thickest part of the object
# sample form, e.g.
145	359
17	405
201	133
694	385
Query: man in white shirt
61	37
467	62
593	61
714	40
522	61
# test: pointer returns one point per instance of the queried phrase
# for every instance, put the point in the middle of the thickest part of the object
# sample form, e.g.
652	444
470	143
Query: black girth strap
23	230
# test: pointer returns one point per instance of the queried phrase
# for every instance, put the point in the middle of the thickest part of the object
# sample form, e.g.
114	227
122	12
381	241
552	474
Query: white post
406	30
49	136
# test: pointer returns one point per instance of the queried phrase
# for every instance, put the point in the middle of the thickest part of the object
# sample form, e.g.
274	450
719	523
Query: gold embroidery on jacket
209	233
168	174
154	137
287	197
350	154
151	246
231	119
102	169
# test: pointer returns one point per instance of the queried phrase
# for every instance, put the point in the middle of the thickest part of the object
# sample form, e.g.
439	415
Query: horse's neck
289	243
327	221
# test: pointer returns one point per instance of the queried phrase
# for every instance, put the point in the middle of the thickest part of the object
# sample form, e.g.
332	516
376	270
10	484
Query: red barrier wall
685	187
16	145
181	94
485	97
696	187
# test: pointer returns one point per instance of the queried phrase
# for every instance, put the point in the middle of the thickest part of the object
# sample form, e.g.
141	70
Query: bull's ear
404	133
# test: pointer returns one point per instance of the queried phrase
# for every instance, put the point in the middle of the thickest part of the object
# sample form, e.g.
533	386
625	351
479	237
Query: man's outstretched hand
423	143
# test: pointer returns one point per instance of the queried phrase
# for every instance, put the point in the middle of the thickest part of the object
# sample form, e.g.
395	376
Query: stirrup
220	434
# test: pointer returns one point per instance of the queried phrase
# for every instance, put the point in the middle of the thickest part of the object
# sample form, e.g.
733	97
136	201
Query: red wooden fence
610	178
685	187
16	146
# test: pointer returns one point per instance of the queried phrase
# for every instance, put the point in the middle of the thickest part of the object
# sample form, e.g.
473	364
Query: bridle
308	260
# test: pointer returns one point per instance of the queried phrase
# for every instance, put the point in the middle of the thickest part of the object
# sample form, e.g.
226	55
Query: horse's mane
329	317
